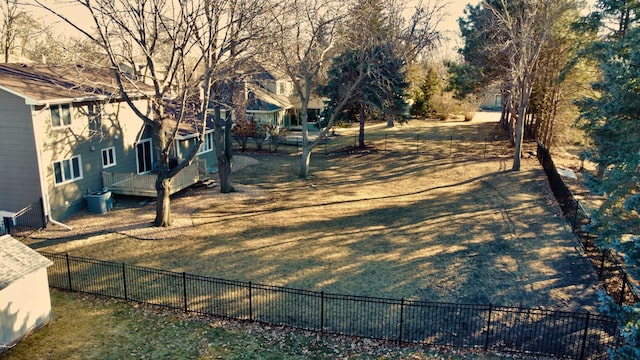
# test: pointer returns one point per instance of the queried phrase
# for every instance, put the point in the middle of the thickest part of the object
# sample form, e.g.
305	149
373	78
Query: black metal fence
29	219
497	328
608	264
435	144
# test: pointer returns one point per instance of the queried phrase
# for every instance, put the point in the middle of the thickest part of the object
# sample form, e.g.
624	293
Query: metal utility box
99	202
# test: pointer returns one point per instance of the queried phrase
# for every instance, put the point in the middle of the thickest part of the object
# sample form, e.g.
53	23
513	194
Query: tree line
558	68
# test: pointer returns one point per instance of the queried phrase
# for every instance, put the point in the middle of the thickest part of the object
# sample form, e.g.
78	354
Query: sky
453	9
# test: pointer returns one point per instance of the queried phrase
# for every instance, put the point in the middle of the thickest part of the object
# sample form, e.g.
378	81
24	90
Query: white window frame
208	144
108	154
65	171
60	109
150	157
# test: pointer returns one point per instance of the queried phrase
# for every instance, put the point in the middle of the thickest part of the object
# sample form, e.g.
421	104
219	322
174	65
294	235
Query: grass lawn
446	223
88	327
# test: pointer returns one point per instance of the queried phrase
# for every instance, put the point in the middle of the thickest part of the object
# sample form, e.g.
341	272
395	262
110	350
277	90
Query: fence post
321	312
124	282
68	271
401	320
604	258
250	303
486	340
184	291
624	286
584	337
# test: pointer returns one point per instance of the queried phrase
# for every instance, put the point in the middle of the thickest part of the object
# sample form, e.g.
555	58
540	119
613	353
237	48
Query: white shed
25	303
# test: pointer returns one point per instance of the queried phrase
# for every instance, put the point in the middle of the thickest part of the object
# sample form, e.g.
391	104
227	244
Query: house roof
18	260
261	100
315	102
40	84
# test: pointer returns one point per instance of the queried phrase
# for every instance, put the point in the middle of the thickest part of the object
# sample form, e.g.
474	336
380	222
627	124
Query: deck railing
144	184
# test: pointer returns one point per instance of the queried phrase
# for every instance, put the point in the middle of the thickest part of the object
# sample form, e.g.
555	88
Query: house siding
118	127
184	146
21	185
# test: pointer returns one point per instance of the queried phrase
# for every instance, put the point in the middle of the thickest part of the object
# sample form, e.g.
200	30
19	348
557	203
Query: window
108	157
144	157
60	115
67	170
208	144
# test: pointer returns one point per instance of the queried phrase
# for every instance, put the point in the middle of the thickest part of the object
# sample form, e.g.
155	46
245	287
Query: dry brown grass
429	226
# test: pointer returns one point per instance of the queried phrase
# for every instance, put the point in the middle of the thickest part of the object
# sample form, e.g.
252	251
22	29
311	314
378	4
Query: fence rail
610	268
27	220
497	328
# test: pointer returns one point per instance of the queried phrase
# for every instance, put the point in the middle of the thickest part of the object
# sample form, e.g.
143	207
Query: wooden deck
145	184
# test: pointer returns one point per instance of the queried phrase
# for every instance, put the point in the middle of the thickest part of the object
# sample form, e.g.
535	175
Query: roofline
27	100
31	101
192	135
263	111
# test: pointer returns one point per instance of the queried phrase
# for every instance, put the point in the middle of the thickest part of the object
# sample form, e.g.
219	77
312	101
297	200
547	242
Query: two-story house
62	128
271	98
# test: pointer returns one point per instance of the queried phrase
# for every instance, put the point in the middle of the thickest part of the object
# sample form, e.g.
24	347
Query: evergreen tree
380	80
612	121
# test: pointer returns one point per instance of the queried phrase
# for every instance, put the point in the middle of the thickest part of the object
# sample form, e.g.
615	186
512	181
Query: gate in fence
497	328
27	220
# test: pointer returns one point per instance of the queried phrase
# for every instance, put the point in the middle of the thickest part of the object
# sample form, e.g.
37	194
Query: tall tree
304	34
560	77
523	27
381	85
611	119
12	15
181	45
378	29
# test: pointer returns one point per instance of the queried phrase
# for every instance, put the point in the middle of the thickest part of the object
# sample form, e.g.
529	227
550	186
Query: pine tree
612	121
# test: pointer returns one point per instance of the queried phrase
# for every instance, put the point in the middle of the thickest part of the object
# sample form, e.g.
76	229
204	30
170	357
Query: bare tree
181	45
229	32
524	25
304	34
11	16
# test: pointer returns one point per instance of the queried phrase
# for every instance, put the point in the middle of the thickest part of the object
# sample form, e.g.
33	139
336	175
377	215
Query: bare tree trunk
163	203
163	180
224	154
525	91
306	145
304	163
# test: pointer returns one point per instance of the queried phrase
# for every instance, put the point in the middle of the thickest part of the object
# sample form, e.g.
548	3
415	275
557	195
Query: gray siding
69	198
20	178
209	156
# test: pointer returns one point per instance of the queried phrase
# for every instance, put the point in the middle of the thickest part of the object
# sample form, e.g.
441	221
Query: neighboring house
271	99
62	128
25	303
267	107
